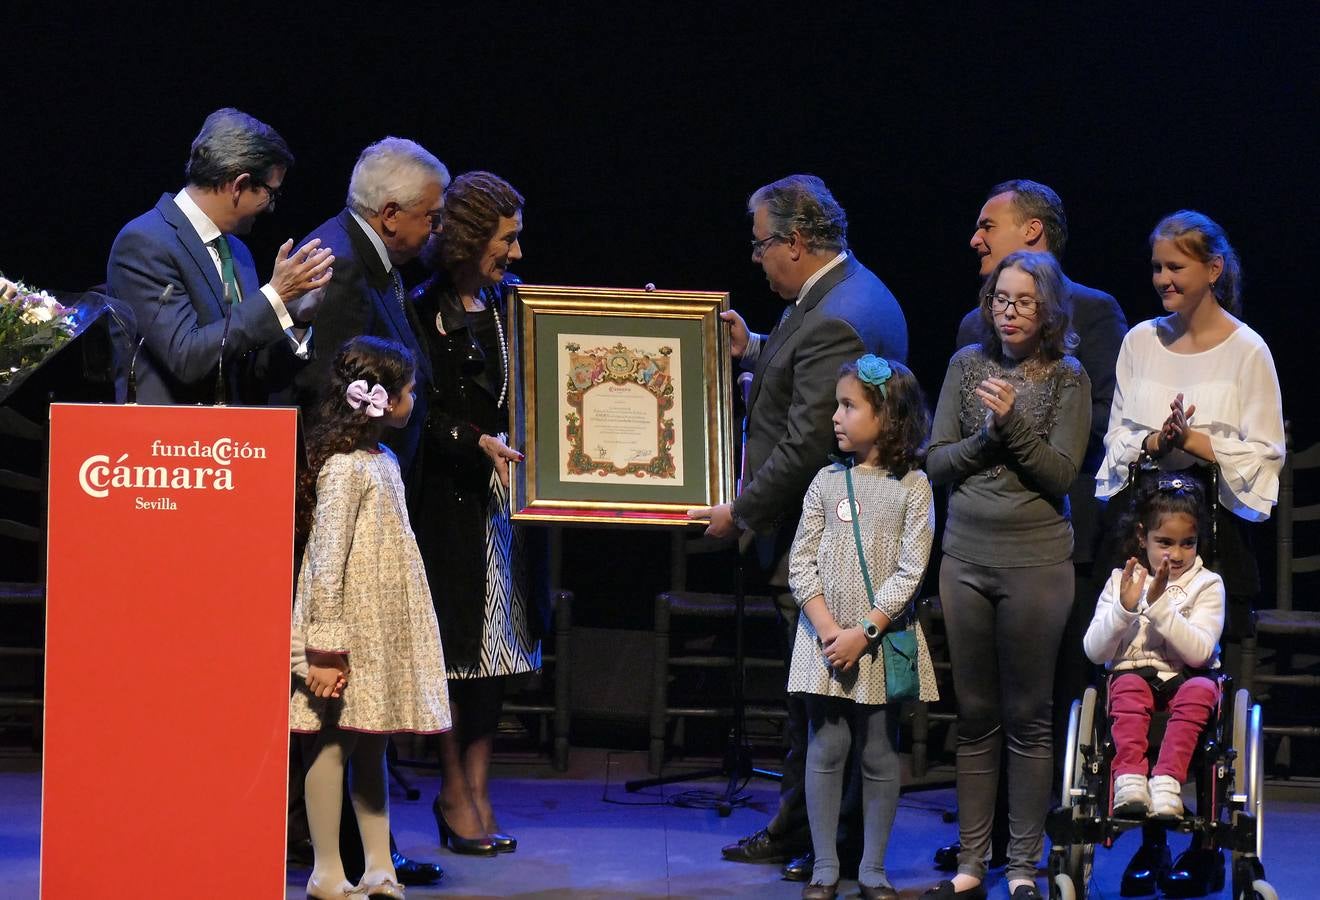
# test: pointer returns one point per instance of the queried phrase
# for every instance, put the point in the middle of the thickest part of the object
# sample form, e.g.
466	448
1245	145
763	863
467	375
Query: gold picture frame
621	401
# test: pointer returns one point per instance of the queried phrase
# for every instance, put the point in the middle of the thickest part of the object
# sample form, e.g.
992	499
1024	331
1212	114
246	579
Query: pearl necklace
504	353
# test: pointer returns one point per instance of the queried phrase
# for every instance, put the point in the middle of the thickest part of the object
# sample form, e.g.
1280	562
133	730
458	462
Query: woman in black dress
473	554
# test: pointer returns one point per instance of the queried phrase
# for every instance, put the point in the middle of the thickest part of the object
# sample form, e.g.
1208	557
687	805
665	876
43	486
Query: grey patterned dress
362	591
897	519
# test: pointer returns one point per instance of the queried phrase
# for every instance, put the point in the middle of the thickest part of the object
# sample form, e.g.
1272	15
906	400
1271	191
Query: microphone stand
130	396
737	763
220	391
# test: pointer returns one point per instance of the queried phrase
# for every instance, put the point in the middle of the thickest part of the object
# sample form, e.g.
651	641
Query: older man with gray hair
395	197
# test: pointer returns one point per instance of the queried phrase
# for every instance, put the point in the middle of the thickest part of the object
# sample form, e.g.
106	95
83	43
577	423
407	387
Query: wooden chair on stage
1281	661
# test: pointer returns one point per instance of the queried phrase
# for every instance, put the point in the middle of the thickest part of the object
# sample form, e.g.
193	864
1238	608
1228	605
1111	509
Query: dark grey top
1100	326
1008	503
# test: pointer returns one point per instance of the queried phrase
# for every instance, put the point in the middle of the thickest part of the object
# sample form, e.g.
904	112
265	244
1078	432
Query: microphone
744	388
220	391
131	395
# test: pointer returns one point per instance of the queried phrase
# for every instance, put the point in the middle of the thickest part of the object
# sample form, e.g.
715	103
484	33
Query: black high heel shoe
503	843
481	846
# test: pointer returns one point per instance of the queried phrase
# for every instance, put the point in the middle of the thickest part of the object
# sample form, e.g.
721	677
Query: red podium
169	586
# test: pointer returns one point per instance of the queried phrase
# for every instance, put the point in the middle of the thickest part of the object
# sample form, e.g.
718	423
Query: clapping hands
997	396
1134	579
1178	425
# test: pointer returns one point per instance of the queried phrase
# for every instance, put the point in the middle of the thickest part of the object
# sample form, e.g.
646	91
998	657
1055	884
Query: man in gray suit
837	311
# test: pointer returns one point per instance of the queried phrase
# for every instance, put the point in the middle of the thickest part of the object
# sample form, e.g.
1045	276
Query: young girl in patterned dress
881	420
365	642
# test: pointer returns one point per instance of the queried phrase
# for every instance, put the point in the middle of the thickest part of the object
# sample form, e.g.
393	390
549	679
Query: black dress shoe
946	858
1148	865
1026	892
944	891
761	847
876	893
799	867
414	872
1197	872
820	891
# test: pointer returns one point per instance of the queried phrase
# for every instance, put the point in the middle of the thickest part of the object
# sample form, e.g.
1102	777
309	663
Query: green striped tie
221	244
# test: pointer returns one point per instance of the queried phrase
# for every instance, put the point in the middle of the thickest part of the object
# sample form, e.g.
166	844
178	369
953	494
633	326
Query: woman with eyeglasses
1198	387
1009	433
489	624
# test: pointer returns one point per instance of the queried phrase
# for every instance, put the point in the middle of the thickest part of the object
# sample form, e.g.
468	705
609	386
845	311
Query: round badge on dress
845	512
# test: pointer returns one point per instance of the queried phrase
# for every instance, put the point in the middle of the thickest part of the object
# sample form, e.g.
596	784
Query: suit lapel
779	337
188	237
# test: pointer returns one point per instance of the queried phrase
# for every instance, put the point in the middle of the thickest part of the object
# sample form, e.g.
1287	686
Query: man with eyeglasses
395	198
188	242
1027	215
837	311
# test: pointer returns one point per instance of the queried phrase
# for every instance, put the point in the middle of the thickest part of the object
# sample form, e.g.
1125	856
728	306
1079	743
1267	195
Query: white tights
327	753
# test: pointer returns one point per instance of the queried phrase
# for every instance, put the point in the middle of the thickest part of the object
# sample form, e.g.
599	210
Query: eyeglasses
1024	306
273	193
758	247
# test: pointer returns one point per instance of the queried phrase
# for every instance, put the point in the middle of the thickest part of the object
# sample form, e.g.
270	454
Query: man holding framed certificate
837	311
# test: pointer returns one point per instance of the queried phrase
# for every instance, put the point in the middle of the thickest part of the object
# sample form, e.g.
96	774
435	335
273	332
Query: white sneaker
1131	796
1165	797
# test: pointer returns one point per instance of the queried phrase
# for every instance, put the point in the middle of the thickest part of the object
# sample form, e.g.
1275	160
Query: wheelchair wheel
1249	881
1249	761
1061	888
1080	857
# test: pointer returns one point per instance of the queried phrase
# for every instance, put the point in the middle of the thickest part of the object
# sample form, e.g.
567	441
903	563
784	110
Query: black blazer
360	301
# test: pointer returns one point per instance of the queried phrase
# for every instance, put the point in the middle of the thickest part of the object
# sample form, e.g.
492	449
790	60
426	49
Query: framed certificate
621	403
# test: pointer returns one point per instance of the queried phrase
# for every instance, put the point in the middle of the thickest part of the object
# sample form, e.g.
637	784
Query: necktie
397	281
221	245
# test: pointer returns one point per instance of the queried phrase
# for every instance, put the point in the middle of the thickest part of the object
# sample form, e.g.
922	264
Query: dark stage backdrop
636	132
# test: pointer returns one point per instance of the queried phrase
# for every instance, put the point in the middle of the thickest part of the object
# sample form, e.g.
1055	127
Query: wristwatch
871	630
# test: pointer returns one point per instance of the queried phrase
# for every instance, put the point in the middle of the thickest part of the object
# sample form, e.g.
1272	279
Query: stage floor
582	836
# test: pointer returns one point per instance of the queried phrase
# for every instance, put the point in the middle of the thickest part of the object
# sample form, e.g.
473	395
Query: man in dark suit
394	205
838	310
188	242
1027	215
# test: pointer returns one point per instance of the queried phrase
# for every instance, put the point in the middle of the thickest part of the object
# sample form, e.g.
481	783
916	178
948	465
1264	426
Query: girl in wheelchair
1156	629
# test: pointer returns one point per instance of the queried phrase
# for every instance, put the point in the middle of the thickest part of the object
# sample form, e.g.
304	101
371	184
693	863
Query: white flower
38	312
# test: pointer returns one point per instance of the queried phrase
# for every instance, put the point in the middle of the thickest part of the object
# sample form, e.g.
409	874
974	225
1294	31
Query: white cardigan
1236	392
1179	630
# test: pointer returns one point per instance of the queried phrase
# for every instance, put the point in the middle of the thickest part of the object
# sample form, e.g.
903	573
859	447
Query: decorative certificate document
617	407
621	401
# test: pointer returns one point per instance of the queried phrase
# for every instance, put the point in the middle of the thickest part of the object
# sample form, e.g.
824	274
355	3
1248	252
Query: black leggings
1004	628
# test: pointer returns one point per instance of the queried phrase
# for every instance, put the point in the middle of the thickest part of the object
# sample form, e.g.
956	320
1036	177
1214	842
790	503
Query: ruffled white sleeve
1250	459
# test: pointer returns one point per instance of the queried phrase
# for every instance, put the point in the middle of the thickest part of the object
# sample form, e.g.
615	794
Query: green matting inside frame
696	465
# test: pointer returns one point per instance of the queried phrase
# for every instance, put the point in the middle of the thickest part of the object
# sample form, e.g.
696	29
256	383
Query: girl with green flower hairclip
857	561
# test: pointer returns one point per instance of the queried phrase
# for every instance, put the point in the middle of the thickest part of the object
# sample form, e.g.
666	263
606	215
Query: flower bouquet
33	324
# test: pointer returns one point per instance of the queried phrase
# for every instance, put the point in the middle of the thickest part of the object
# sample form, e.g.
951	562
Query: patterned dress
363	591
824	562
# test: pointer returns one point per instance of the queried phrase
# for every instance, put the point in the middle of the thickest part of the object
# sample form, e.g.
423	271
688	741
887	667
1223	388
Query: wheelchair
1229	770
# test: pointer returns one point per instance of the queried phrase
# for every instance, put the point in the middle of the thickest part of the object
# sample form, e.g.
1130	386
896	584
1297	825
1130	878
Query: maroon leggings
1131	701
